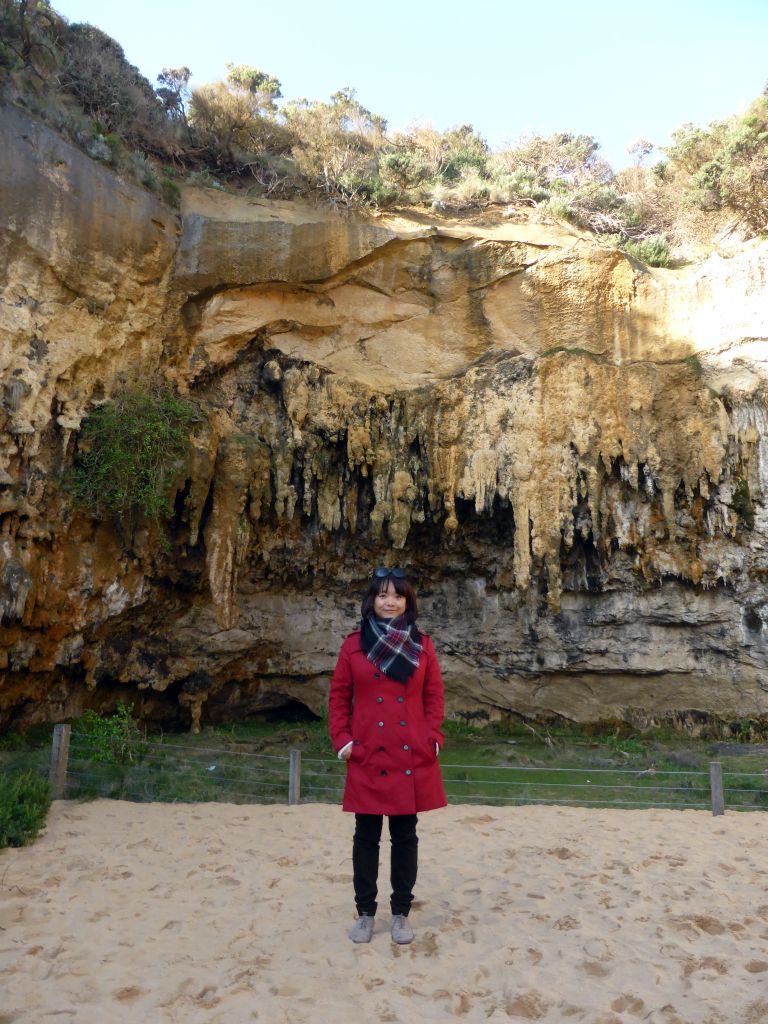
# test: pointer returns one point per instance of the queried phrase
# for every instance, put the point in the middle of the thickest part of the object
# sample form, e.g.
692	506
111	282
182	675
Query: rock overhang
532	421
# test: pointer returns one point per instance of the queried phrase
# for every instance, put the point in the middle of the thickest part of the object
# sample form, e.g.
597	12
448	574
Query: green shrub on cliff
653	250
742	503
24	802
130	453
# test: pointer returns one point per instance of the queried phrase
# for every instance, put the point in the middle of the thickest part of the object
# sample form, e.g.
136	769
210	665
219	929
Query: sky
615	70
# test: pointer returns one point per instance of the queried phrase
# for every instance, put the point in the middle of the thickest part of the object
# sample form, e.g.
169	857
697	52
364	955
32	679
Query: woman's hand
346	754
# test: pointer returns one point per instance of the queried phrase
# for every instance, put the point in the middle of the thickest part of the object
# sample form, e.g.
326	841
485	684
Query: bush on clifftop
236	130
725	166
94	70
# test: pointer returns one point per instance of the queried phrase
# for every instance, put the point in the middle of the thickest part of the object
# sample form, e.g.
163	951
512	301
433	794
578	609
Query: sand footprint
462	1005
708	924
128	994
256	966
425	943
599	953
595	969
712	964
207	997
562	853
567	924
627	1003
756	1012
527	1006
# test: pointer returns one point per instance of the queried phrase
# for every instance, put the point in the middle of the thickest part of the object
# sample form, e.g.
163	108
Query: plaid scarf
392	646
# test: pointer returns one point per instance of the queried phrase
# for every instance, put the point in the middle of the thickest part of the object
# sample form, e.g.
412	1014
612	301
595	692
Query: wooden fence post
716	787
294	776
57	774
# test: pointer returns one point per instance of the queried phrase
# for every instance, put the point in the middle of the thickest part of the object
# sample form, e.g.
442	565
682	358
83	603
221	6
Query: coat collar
354	641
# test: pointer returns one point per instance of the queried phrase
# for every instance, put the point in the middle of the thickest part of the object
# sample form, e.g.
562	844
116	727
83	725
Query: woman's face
388	604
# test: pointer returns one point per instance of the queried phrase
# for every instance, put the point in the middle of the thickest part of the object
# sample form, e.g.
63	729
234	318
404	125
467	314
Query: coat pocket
357	754
425	749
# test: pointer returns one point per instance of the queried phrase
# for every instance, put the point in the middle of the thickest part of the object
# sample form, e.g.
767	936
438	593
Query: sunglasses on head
382	572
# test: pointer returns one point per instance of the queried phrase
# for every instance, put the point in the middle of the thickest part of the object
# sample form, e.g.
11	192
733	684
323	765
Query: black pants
365	861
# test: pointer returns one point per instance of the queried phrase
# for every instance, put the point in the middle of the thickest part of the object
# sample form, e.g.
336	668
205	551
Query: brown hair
378	585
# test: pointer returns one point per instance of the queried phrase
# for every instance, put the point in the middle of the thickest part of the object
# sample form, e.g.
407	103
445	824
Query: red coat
393	727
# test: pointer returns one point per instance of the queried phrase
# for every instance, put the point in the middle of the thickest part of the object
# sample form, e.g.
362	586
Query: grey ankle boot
362	930
402	933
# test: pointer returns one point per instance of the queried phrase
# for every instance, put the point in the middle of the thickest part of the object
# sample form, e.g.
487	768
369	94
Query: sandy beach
127	912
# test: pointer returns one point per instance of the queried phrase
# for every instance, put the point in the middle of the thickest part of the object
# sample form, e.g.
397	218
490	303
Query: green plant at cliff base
115	739
24	802
130	452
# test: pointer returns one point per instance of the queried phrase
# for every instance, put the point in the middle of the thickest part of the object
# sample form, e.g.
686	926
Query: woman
385	712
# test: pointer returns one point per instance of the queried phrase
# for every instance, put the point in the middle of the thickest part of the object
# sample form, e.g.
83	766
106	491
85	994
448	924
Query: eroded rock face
568	451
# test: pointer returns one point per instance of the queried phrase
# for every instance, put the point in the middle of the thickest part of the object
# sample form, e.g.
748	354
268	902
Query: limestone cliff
568	450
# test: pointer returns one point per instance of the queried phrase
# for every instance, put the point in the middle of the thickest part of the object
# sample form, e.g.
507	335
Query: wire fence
170	771
582	787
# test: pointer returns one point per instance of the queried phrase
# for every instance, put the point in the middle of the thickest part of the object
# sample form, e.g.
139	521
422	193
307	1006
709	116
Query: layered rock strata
567	449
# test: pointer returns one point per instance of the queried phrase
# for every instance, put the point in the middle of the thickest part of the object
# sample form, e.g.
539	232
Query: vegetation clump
130	453
653	250
116	739
93	69
24	801
742	503
694	365
724	167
